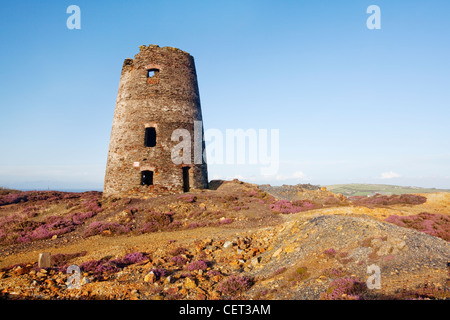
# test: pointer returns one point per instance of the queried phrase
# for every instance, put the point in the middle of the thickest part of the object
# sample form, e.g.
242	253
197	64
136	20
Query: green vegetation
356	189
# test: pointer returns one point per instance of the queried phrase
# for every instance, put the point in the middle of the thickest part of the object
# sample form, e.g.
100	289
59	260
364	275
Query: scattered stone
150	277
44	260
168	280
255	261
227	244
277	253
49	282
21	270
189	283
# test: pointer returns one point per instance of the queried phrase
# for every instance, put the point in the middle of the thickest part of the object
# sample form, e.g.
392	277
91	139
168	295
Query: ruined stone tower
158	94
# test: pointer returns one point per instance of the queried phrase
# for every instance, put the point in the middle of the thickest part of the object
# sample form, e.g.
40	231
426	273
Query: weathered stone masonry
158	93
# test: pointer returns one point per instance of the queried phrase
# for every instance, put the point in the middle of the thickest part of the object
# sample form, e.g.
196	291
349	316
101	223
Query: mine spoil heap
158	93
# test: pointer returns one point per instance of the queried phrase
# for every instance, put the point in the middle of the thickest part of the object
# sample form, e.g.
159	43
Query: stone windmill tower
158	94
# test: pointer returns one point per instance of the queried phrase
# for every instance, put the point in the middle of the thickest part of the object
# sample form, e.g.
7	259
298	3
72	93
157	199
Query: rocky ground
234	241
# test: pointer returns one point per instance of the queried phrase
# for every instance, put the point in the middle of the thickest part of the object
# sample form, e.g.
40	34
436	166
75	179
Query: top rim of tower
168	48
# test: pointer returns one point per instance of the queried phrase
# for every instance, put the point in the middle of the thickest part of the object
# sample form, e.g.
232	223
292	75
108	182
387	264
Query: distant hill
4	191
356	189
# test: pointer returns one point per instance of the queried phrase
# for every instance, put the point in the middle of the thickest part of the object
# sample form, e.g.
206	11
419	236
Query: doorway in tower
150	137
147	178
186	186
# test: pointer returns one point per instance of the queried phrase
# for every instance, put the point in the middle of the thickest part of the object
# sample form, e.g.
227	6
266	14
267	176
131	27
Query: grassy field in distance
356	189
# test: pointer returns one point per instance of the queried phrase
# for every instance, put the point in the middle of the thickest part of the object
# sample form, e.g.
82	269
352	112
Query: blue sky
351	104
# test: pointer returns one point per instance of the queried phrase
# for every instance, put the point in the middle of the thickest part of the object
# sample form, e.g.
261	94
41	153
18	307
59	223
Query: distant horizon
273	185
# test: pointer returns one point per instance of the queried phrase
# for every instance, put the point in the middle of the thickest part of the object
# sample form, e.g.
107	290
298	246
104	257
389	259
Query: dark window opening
152	73
147	178
150	137
186	179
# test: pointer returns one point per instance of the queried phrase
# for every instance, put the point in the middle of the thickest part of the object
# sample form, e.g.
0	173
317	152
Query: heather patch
260	195
98	269
179	260
131	258
437	225
155	221
330	252
287	207
198	265
347	288
333	273
21	227
194	225
234	285
159	273
106	228
47	196
383	200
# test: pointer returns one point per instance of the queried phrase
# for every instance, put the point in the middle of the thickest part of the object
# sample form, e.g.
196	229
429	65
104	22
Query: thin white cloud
299	175
390	175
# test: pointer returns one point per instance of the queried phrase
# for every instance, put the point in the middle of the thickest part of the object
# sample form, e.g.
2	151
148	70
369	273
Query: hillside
233	241
356	189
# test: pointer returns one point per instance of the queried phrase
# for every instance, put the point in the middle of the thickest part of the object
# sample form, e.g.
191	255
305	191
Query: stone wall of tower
167	100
